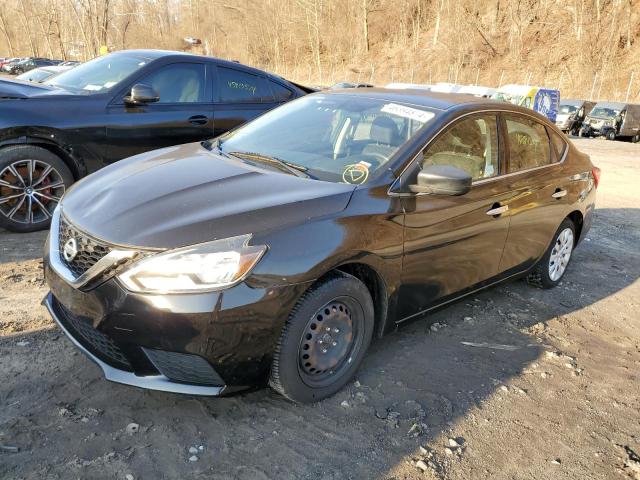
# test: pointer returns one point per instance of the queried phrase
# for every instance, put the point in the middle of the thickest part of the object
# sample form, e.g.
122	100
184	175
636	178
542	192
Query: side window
470	145
178	83
280	93
528	143
559	145
235	86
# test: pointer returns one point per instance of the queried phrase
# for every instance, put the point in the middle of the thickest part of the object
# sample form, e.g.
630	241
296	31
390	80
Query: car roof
156	54
424	98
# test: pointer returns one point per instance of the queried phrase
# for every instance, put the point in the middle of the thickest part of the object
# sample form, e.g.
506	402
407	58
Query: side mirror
442	180
141	94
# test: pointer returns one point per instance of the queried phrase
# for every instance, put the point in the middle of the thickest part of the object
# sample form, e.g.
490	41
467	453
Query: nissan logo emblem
70	249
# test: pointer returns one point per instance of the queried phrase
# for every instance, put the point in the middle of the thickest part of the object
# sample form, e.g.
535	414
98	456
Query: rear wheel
552	266
324	340
636	138
32	181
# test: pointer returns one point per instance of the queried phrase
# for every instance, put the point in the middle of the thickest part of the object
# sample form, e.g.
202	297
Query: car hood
184	195
19	89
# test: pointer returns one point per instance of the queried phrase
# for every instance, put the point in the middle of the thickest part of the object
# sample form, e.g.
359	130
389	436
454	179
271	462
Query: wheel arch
578	221
51	146
376	286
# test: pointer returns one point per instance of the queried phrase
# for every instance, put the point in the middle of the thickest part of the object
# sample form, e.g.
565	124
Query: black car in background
113	107
276	252
29	64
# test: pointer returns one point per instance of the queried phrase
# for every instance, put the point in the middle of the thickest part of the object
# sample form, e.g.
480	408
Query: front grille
96	342
90	251
184	367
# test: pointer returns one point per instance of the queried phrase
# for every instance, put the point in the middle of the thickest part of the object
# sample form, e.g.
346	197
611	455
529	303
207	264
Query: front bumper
198	344
151	382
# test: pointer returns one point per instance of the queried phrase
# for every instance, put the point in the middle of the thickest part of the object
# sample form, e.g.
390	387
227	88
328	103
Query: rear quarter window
280	93
559	146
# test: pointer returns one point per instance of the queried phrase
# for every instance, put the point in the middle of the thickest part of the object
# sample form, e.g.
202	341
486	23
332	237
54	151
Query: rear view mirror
141	94
442	180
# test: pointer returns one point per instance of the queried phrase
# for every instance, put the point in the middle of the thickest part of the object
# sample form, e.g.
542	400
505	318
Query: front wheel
32	181
611	135
324	340
552	266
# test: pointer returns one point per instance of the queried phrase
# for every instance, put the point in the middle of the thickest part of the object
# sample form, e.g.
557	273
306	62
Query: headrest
384	130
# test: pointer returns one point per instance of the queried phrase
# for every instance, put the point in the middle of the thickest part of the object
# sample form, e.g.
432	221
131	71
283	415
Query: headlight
199	268
608	123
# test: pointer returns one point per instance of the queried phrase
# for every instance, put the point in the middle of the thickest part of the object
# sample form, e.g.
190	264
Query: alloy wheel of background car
307	366
550	269
30	187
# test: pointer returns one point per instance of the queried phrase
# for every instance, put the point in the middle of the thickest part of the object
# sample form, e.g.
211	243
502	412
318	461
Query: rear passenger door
241	96
538	187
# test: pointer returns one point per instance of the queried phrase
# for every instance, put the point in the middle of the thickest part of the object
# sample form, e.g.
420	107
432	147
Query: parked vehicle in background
408	86
477	90
340	85
29	64
112	107
6	65
613	120
571	115
39	75
70	63
276	253
539	99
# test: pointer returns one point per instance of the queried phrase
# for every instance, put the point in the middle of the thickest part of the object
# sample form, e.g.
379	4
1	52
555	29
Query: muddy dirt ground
550	388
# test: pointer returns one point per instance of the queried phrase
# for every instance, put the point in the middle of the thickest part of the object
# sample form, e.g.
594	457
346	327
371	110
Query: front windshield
100	74
567	109
604	112
507	97
339	138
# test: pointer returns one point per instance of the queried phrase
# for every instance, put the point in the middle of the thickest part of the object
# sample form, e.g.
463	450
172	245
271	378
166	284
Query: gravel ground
546	385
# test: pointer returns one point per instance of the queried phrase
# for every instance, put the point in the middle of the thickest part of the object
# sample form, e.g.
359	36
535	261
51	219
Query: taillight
595	171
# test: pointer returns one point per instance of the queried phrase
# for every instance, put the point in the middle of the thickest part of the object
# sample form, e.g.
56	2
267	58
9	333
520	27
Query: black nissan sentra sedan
273	254
113	107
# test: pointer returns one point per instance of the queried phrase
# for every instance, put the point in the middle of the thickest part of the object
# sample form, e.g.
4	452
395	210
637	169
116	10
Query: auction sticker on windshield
408	112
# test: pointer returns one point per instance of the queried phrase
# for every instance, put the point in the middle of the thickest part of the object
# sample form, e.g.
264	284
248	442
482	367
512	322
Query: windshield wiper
283	165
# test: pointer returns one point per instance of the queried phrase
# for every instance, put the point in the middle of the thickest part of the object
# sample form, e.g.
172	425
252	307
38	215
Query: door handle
497	210
559	193
198	120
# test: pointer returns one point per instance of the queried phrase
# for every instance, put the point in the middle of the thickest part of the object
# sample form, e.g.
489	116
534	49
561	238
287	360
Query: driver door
454	243
183	114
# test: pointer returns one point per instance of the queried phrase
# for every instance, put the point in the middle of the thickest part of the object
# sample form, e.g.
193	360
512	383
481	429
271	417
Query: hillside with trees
587	48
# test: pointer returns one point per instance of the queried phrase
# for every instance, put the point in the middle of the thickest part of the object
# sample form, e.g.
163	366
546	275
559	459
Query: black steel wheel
32	181
324	340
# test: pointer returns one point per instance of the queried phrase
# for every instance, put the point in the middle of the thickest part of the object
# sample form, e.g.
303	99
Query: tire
636	138
347	301
550	269
611	135
28	200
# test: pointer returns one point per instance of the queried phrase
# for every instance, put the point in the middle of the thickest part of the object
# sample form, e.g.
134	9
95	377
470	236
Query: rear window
236	86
